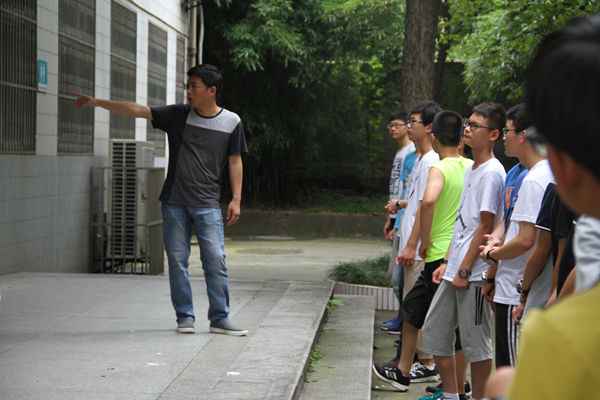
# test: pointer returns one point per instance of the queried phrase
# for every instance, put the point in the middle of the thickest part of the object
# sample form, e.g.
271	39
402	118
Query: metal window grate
24	8
122	88
123	32
157	82
18	76
180	92
77	18
76	68
122	68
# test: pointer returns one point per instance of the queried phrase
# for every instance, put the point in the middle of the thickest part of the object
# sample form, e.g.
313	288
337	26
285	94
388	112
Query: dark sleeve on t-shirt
545	214
170	118
237	141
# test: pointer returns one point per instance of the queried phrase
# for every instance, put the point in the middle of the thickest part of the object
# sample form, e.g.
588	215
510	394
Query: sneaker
391	324
432	389
186	326
420	373
439	394
393	376
395	330
398	342
228	328
463	397
392	364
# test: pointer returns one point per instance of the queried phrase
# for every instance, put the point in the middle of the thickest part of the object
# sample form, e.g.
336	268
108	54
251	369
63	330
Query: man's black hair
494	112
448	128
210	75
563	90
401	115
428	110
518	115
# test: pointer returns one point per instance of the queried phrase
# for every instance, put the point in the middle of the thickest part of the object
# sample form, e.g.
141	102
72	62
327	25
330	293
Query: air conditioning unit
127	198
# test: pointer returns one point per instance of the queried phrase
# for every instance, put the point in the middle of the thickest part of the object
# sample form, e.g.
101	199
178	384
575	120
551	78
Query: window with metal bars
18	76
123	50
179	90
157	82
76	65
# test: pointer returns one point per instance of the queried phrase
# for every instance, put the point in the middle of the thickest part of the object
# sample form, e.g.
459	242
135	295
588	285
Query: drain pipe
192	52
201	40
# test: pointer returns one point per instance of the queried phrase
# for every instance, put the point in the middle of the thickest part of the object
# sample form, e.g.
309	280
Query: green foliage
498	38
311	80
315	355
372	271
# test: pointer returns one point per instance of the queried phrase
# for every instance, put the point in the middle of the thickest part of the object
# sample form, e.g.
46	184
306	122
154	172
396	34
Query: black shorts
416	303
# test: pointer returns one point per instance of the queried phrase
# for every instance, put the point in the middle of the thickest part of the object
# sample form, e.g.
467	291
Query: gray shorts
466	309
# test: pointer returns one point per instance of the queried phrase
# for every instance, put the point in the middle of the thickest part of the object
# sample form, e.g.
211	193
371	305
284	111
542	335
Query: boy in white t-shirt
458	301
398	128
508	257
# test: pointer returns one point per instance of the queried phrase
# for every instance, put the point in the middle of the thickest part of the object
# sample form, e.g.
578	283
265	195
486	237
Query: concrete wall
44	198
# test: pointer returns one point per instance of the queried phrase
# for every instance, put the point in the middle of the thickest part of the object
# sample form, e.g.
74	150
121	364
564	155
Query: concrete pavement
73	336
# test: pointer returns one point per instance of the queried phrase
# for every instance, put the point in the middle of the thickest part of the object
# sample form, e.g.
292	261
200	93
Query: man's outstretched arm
127	108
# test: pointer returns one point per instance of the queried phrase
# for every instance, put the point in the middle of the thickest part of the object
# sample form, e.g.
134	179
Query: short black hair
428	110
448	128
518	115
210	75
401	115
563	96
494	112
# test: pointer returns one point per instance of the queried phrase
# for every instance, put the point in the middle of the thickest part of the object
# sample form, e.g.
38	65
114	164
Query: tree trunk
419	51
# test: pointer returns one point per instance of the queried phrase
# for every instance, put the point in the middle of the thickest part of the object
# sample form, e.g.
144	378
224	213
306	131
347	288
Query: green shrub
372	271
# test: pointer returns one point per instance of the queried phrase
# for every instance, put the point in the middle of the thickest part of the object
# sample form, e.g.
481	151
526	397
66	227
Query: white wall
44	198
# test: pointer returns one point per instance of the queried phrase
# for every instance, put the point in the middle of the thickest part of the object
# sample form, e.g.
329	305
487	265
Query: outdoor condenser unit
127	198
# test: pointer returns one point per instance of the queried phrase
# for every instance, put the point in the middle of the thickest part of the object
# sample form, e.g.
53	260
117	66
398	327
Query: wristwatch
520	289
486	279
398	204
489	259
444	262
464	273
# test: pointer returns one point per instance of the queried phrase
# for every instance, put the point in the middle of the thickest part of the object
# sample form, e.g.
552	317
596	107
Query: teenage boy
458	302
398	128
421	118
202	138
436	216
513	251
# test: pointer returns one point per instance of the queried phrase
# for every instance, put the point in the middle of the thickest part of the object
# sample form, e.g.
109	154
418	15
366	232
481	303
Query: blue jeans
177	233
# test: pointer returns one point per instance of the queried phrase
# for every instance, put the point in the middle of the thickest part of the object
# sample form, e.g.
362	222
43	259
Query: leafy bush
372	271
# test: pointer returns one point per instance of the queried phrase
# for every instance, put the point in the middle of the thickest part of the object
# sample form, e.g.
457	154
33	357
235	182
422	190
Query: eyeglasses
390	126
505	131
413	122
187	86
474	127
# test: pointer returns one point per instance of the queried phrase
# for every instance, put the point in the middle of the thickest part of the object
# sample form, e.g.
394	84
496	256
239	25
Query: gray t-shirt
199	147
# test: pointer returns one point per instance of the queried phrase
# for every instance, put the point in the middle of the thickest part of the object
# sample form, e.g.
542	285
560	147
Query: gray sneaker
228	328
186	326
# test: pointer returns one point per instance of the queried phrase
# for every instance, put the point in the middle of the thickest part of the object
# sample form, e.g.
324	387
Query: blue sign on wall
42	76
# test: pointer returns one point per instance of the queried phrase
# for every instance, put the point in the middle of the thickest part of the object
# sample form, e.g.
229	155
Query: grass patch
342	202
372	271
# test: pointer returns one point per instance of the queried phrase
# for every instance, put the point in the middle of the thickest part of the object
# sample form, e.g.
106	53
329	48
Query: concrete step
73	336
344	371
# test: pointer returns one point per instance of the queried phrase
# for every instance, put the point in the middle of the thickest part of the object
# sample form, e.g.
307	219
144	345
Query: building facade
131	50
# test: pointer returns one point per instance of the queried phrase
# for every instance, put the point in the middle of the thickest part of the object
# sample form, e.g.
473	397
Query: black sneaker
393	376
420	373
398	342
432	389
392	364
463	397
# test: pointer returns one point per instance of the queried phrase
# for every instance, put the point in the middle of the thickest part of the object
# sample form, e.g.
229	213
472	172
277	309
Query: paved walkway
74	336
